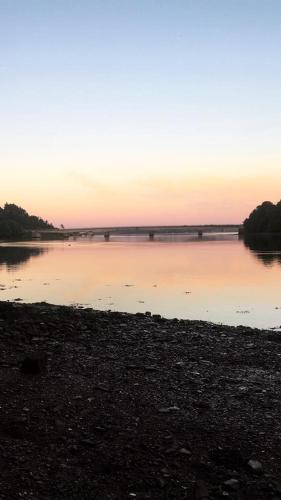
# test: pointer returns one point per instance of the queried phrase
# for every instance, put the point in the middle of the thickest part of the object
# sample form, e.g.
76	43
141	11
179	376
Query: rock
59	425
14	429
89	443
34	363
227	457
161	482
201	491
157	317
255	466
180	363
167	410
150	368
73	449
231	484
184	451
276	487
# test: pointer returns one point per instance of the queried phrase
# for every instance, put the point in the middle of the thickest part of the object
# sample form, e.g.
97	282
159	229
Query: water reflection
216	278
265	247
14	257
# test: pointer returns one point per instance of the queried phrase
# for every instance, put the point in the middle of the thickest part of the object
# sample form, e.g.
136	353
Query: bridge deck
141	230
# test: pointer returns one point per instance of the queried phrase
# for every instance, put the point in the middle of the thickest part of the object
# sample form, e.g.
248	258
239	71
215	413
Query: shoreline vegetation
264	219
16	223
108	405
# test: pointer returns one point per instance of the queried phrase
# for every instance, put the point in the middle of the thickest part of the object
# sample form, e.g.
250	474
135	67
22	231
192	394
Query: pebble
167	410
184	451
255	466
232	484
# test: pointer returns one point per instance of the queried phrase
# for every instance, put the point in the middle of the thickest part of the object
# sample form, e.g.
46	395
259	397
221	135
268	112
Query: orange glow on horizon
153	201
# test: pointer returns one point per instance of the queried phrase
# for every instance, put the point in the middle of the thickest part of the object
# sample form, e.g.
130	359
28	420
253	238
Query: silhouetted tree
10	229
18	214
266	218
15	221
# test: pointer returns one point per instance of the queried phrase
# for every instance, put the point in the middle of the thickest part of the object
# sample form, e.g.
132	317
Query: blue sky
111	96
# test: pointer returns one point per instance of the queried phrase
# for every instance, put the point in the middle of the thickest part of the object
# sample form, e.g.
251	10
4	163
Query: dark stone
231	484
255	466
201	491
228	457
34	363
157	317
14	429
89	443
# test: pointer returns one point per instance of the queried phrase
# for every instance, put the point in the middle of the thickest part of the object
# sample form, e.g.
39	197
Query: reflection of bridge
150	231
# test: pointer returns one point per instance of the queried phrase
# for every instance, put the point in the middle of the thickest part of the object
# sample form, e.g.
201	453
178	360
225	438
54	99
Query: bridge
150	231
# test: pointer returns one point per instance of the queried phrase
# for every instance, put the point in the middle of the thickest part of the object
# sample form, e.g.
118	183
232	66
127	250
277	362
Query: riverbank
98	405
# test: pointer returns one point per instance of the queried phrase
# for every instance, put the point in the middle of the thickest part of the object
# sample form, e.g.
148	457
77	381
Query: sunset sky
118	112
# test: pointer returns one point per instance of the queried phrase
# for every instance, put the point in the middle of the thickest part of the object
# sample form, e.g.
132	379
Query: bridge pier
35	235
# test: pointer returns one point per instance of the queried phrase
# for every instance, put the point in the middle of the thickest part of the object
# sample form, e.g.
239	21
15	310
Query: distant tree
10	229
18	214
265	218
15	222
62	226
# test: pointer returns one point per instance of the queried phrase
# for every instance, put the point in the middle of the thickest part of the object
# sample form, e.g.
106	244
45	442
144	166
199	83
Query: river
216	278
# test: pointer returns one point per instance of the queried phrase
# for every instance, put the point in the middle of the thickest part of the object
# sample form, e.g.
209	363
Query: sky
138	112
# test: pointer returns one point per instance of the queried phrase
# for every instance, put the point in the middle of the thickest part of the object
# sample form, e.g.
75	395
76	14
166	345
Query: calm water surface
219	278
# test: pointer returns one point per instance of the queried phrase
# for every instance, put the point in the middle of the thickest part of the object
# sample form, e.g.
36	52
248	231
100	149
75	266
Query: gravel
107	405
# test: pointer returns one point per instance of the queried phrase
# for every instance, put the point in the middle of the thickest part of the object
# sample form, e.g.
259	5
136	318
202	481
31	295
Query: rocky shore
104	405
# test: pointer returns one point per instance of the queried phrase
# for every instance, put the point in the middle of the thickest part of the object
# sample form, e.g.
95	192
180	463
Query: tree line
15	222
265	218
